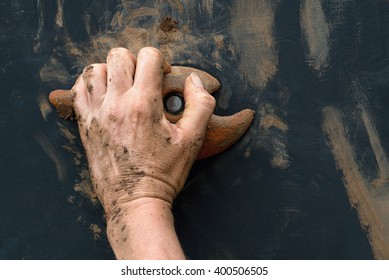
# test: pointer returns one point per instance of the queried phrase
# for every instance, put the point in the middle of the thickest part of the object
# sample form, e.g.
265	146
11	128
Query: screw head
174	103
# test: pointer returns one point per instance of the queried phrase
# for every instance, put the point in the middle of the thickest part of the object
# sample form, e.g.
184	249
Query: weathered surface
303	183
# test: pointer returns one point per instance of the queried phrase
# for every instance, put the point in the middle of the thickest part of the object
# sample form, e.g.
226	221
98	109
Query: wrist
131	208
132	192
144	229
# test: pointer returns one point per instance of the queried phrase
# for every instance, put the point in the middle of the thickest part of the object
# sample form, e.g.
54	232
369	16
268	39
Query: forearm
144	229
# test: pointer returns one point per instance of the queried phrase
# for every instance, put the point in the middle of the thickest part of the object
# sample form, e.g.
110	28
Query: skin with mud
138	159
222	132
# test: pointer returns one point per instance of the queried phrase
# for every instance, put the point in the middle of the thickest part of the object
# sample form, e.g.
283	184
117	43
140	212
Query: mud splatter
252	30
177	4
316	33
273	121
84	184
373	210
173	45
207	6
54	71
59	16
281	159
49	149
37	40
271	135
96	230
44	105
168	24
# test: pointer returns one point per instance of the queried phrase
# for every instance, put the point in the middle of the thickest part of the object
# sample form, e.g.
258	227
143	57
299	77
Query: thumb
199	106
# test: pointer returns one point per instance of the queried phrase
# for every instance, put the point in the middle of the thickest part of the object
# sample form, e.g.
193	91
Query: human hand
133	151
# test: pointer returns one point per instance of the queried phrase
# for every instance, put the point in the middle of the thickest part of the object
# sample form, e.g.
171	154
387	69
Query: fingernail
196	80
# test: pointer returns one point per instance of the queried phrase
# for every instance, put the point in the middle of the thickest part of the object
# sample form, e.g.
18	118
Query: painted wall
309	180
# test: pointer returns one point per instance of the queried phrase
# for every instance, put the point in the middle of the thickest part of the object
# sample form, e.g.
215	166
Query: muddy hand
222	132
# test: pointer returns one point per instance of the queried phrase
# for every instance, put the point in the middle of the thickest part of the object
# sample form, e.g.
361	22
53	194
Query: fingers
95	80
120	70
81	101
90	88
199	106
151	65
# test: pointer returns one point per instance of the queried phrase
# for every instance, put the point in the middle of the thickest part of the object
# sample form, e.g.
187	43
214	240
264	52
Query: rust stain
372	210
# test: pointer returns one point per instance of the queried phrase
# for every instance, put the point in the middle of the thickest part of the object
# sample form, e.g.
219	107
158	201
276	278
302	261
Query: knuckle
100	69
112	114
207	100
140	109
88	68
92	69
150	52
118	52
98	66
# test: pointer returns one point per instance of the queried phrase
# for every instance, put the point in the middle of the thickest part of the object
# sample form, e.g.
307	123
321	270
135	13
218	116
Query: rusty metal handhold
222	132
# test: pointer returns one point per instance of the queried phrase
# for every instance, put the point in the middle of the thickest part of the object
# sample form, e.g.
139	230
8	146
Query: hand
135	155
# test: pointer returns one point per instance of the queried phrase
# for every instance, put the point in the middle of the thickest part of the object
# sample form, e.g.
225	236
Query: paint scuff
372	210
316	32
252	30
380	155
